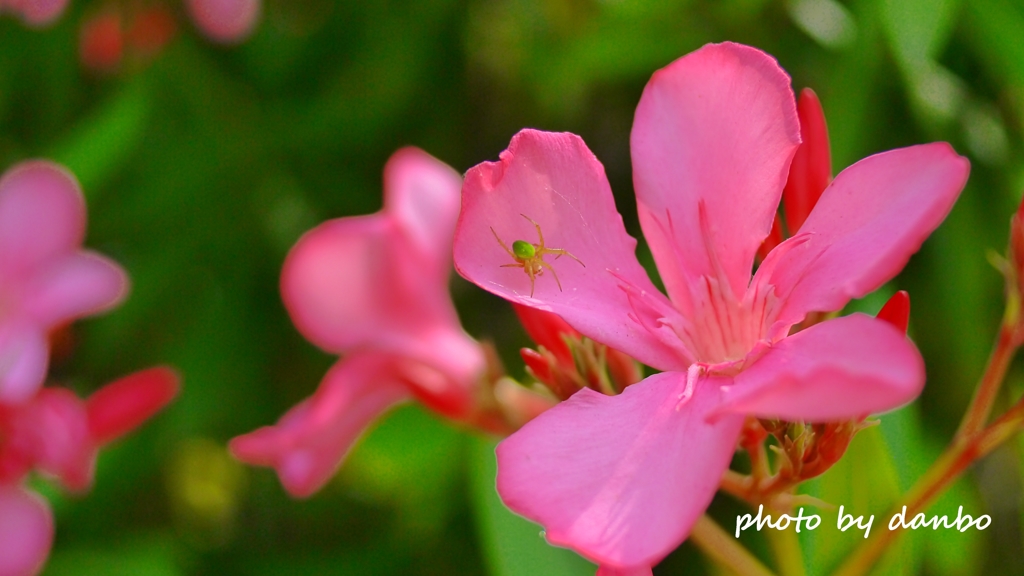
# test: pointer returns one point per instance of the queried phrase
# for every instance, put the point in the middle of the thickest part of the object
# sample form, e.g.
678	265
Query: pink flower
225	21
46	279
35	12
26	531
622	479
58	434
374	288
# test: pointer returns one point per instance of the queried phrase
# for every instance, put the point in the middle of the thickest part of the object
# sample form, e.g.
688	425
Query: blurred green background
204	165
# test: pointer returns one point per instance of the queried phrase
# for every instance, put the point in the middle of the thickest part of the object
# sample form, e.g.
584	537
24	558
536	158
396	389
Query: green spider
530	257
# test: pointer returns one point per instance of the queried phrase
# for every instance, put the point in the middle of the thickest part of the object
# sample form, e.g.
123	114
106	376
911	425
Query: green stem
957	458
786	548
991	380
724	549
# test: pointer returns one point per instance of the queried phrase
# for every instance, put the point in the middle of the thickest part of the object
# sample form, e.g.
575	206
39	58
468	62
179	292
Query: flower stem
957	458
992	379
724	549
786	547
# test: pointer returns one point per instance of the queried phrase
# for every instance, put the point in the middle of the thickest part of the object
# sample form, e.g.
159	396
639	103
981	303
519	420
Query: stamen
692	373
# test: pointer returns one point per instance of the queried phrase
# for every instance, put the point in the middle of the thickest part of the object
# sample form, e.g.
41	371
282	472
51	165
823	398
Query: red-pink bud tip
897	310
124	404
811	170
101	43
546	329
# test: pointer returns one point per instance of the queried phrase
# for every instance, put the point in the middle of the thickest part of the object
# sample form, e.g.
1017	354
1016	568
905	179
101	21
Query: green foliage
203	166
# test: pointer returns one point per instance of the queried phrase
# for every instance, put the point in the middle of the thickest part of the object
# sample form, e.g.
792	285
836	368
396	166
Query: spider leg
513	265
540	247
510	253
563	252
530	272
553	273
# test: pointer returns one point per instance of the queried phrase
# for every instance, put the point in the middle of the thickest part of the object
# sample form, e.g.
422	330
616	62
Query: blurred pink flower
26	531
622	479
35	12
46	279
225	21
58	434
374	288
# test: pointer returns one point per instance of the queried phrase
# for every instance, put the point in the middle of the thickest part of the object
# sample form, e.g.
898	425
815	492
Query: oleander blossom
622	479
374	288
58	434
36	13
225	21
46	279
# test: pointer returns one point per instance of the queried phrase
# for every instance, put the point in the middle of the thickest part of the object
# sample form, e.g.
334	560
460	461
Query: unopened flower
622	479
374	288
35	12
225	21
57	434
46	279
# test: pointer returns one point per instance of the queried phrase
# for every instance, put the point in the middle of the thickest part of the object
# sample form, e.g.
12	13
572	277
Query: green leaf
864	482
139	556
513	546
946	552
100	144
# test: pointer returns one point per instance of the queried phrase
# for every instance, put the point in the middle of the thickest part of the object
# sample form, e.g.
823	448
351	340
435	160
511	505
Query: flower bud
811	170
897	310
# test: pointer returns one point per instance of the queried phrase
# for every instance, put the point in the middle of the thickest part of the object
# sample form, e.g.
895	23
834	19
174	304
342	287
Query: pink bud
124	404
811	170
39	12
897	310
537	364
101	43
547	329
26	531
518	403
150	31
225	21
53	430
775	237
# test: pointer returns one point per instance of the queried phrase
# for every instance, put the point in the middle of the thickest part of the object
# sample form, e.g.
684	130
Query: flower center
723	328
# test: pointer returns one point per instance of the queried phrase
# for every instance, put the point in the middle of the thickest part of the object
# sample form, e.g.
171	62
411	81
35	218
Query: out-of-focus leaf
101	144
919	29
994	27
409	443
864	482
140	556
513	546
946	552
827	21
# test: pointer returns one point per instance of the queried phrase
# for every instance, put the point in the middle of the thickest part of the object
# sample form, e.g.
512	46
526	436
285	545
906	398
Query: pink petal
226	21
26	531
423	194
79	285
42	216
715	129
556	181
309	443
125	404
56	427
865	227
840	369
620	479
24	357
41	12
605	570
355	281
